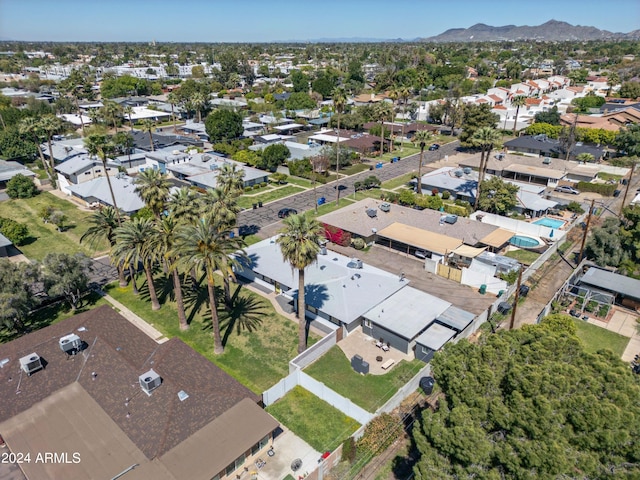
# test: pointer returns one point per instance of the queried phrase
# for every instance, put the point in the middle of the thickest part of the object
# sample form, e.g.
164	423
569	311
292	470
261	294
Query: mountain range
553	30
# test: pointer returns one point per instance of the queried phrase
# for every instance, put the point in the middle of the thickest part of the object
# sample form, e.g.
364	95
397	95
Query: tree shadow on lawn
246	313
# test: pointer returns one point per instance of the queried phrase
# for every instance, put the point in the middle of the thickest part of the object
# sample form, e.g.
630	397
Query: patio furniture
378	358
379	344
296	464
388	364
385	348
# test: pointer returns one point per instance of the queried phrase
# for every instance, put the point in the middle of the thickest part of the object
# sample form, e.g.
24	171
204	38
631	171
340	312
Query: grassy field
353	169
329	207
44	237
597	338
269	196
301	182
368	391
258	341
523	256
315	421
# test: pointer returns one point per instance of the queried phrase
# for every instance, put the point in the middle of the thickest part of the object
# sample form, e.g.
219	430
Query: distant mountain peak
552	30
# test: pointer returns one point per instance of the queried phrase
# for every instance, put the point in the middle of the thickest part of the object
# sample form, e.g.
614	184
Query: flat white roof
321	137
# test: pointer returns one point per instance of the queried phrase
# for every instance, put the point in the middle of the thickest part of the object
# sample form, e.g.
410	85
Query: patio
287	447
357	343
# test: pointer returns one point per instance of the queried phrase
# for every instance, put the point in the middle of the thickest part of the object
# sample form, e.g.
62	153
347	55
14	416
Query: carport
408	239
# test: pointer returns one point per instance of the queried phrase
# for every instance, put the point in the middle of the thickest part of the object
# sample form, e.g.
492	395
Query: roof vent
466	170
70	344
182	395
149	381
546	161
31	363
372	212
458	173
206	158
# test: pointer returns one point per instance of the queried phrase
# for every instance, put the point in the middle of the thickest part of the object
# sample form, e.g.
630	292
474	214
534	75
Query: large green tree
530	403
628	140
474	117
273	156
102	146
223	126
497	196
299	242
16	297
153	188
102	227
203	246
421	137
485	138
66	275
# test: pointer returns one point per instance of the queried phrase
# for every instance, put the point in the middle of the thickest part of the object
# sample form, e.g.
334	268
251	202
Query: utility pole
626	190
515	302
586	230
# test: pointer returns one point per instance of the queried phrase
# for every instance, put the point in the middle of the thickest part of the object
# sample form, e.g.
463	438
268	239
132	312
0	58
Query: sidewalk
148	329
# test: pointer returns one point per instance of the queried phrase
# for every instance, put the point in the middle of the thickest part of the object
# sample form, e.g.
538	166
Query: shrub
349	450
407	197
456	210
21	186
574	207
379	434
446	195
337	235
358	243
605	189
16	232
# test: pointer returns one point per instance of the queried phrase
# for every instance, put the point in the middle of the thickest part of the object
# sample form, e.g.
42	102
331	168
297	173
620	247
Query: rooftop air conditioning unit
450	219
206	158
458	173
466	170
70	344
31	363
149	381
546	161
372	212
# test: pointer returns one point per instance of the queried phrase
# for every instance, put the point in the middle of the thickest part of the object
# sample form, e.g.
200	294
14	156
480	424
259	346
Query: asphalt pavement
252	220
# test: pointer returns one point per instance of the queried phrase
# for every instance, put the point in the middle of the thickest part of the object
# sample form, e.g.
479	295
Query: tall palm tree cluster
187	237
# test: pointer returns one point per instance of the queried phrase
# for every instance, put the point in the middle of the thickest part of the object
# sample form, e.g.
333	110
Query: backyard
247	200
258	341
368	391
315	421
526	257
597	338
45	238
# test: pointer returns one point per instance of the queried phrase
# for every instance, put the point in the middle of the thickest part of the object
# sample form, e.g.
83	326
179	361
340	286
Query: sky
290	20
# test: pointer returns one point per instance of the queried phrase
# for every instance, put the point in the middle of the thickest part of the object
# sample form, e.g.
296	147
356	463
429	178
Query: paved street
268	214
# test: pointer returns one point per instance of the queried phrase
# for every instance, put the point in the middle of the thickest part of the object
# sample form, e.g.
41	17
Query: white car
567	189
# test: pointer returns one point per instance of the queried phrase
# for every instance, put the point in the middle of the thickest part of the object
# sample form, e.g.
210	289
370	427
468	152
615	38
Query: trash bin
483	289
255	205
260	204
232	234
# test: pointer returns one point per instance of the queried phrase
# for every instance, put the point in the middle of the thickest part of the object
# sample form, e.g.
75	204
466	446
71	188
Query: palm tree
50	124
199	101
125	143
104	223
421	137
299	242
184	205
31	127
135	245
101	145
383	111
173	100
613	79
339	102
519	101
404	95
230	179
485	138
111	111
165	235
153	188
394	95
147	125
128	111
207	248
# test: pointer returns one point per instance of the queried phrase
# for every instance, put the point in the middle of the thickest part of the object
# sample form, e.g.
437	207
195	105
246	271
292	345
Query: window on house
217	477
263	443
424	350
87	173
312	309
98	170
239	461
367	323
229	470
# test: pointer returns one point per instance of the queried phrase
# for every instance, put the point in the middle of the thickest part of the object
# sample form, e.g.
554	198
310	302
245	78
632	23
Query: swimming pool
550	222
524	242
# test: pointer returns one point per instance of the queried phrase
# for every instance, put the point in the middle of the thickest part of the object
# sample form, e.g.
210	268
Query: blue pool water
524	242
549	222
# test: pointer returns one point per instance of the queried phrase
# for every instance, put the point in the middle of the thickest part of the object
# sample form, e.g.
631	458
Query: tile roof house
121	399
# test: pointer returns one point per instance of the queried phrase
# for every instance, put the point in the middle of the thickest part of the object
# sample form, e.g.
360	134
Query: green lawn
397	182
329	207
315	421
597	338
269	196
258	344
55	313
355	168
368	391
301	182
523	256
44	237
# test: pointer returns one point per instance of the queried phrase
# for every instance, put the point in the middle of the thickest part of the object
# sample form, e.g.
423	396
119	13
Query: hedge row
605	189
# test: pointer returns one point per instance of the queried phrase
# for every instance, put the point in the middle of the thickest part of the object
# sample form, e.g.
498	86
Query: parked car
420	254
616	193
433	147
567	189
285	212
